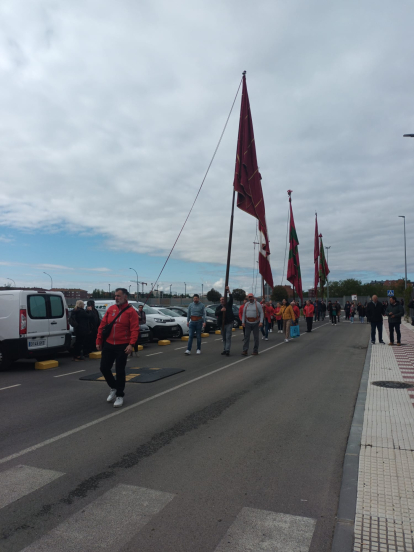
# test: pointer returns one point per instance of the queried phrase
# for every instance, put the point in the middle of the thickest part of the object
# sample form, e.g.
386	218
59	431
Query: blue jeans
195	327
226	334
265	328
374	327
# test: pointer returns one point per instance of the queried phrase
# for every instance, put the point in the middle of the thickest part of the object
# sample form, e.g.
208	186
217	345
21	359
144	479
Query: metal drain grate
393	384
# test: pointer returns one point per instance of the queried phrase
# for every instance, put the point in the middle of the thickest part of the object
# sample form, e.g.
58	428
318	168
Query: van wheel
181	333
5	361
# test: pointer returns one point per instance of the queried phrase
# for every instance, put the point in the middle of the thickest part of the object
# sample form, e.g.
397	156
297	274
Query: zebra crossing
99	526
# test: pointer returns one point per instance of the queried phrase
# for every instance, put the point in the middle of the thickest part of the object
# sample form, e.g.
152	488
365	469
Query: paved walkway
385	505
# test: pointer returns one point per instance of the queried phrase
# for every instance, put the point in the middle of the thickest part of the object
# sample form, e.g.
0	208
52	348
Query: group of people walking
117	334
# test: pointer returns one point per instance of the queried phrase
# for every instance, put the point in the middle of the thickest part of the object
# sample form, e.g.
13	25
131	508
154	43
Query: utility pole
405	251
185	290
202	289
51	281
170	290
137	281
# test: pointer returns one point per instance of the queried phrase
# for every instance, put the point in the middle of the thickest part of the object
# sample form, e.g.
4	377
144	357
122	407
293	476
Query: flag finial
320	236
244	73
289	192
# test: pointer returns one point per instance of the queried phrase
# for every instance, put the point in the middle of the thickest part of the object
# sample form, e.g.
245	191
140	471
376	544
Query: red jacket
126	327
268	313
278	313
241	311
296	310
308	311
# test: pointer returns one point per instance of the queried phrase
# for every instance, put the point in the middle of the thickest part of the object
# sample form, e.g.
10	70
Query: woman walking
308	311
278	316
352	313
81	321
288	316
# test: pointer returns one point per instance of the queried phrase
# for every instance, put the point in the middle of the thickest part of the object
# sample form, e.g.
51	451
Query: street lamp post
11	279
109	286
170	290
130	289
327	281
137	280
405	250
202	289
51	281
185	290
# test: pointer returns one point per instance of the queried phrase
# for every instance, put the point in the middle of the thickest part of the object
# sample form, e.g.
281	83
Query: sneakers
286	340
266	339
111	396
187	352
119	401
198	352
373	342
383	342
263	336
270	331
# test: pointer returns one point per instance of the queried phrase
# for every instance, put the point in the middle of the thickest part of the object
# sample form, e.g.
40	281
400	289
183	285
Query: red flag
293	271
316	255
247	182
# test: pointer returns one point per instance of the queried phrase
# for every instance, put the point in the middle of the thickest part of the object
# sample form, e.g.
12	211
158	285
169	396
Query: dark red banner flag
316	256
247	182
293	270
323	265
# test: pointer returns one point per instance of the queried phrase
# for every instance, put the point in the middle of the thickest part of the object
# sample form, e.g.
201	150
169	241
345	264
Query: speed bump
218	332
140	347
205	335
185	338
138	375
46	364
240	327
233	329
96	354
164	342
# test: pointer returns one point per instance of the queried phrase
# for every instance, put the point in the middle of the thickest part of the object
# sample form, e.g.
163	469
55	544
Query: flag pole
320	238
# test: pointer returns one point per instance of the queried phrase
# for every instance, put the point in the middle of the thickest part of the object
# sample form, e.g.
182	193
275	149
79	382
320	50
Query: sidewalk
384	518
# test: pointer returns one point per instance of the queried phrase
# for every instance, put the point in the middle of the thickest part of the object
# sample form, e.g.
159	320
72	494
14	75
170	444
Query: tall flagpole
320	240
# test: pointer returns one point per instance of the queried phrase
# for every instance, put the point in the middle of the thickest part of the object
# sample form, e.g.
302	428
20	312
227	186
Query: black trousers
280	324
397	328
117	354
79	345
378	326
309	321
90	343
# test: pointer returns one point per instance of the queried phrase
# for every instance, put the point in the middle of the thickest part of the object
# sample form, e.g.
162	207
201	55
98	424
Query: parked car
211	320
33	324
180	319
237	322
160	325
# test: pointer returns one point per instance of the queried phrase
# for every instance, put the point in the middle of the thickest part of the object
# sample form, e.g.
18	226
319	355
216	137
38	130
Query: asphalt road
233	454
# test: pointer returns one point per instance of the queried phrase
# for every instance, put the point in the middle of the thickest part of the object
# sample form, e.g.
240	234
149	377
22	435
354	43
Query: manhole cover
393	384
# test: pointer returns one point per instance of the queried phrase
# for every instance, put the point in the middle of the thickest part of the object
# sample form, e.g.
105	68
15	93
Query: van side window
37	306
56	306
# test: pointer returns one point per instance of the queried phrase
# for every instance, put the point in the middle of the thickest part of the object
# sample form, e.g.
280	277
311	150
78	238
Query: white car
33	324
161	326
182	320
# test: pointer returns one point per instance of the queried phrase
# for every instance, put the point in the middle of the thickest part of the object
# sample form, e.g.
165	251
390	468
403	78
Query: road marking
153	354
219	339
23	480
10	386
262	530
69	374
127	408
179	348
108	523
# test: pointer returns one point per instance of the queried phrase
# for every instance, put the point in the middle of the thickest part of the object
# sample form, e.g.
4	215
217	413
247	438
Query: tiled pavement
385	505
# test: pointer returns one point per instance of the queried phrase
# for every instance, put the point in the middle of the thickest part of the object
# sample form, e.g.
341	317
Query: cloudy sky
110	113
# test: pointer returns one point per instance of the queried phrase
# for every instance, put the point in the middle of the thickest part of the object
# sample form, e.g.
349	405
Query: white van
33	324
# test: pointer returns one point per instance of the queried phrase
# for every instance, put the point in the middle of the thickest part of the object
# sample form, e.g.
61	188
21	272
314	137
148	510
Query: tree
239	294
213	295
278	294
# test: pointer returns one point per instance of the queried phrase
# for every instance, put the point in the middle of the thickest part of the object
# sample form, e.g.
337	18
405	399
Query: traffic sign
390	293
354	297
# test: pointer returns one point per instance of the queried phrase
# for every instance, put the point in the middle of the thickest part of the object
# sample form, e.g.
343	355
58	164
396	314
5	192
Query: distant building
73	295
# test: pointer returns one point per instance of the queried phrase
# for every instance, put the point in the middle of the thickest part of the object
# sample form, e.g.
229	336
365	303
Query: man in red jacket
119	344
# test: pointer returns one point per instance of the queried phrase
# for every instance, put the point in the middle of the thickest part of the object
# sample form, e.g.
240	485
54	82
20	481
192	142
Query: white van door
57	322
37	322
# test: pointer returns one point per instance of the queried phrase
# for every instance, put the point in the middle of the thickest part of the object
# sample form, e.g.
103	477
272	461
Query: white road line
70	373
23	480
179	348
127	408
108	523
262	530
152	354
219	339
10	386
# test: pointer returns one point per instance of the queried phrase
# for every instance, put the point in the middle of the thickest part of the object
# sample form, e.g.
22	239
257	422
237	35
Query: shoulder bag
106	330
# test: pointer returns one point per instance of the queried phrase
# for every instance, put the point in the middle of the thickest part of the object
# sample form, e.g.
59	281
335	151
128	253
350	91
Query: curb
343	540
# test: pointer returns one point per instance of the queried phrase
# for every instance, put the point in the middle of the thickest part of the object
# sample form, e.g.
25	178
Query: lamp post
130	289
185	290
137	280
405	251
202	289
109	286
170	290
11	279
51	281
327	281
